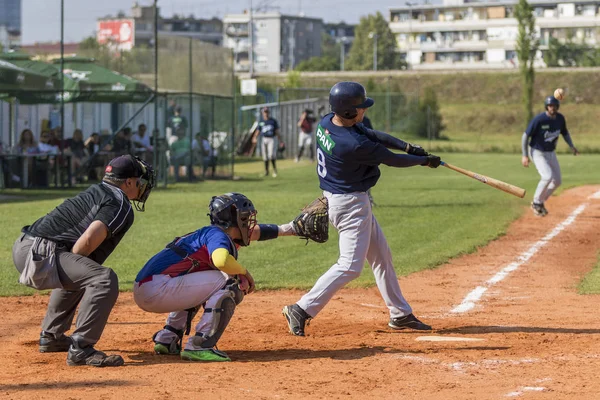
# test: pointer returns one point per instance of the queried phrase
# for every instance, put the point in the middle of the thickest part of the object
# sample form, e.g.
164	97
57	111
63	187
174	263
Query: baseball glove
313	222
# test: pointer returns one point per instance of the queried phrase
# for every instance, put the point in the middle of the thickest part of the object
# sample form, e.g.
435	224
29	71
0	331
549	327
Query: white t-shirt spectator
144	141
47	149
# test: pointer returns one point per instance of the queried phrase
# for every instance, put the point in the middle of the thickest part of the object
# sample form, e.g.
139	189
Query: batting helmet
551	101
233	210
346	97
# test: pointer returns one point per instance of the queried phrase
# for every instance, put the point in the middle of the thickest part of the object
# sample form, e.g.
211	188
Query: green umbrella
51	93
99	84
14	78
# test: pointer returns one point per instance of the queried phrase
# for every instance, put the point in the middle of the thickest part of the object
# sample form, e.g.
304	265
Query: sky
41	18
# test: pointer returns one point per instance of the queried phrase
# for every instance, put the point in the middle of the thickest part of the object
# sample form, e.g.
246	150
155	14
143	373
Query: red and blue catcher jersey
199	245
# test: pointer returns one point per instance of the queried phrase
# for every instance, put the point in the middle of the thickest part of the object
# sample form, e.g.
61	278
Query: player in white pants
348	156
542	136
200	269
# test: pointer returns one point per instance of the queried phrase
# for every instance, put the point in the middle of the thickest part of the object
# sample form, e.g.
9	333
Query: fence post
388	125
429	125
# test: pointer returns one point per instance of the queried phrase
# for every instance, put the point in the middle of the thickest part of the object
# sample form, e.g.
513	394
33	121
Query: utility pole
342	52
251	32
62	67
374	36
156	131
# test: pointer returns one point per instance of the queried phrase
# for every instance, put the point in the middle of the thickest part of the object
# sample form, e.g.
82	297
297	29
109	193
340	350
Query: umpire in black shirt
65	249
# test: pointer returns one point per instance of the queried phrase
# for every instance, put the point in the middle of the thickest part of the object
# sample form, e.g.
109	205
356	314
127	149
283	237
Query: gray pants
83	281
547	165
361	238
268	148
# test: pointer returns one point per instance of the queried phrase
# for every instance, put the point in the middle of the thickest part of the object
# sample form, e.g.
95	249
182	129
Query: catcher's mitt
313	222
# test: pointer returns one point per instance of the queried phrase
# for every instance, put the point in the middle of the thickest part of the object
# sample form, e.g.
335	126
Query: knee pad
221	305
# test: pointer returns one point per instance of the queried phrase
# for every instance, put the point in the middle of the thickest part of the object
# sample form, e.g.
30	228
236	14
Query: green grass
427	215
591	283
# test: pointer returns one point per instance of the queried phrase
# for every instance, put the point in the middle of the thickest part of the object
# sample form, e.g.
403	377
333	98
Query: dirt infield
534	336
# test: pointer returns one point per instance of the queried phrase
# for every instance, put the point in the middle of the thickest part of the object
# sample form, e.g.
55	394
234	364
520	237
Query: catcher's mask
233	210
128	166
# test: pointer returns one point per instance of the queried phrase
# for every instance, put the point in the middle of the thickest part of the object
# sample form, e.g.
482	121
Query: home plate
447	339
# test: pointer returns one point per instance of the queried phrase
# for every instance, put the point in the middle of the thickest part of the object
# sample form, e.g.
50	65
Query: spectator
27	144
56	138
77	149
204	151
140	140
96	161
180	151
178	123
305	135
45	145
122	142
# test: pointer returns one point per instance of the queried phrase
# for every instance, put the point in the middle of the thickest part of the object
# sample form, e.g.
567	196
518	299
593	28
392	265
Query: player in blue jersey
542	136
268	130
201	269
348	159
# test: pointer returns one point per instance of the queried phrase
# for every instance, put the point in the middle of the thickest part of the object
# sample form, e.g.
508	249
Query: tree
527	47
329	59
425	116
361	57
571	54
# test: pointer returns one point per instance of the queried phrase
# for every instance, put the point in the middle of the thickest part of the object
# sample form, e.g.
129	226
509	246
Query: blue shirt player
542	136
348	159
268	130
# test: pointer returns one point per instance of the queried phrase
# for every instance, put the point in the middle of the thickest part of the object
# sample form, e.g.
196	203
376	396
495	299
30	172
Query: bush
425	117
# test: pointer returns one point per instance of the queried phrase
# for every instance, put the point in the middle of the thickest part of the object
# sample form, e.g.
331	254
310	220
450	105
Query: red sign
117	32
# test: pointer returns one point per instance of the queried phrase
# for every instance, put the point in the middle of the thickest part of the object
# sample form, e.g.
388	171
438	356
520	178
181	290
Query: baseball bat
495	183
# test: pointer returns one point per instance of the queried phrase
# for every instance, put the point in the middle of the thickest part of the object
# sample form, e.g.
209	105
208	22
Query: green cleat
208	355
160	348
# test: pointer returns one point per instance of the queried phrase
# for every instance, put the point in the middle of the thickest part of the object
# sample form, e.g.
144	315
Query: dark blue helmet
233	210
346	97
551	101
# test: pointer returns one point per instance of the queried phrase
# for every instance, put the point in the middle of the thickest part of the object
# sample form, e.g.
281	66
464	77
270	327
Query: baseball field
512	297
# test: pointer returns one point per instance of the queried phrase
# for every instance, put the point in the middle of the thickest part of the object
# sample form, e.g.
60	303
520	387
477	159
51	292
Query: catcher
200	269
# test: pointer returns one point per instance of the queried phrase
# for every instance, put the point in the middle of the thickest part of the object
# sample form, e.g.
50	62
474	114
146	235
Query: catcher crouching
201	270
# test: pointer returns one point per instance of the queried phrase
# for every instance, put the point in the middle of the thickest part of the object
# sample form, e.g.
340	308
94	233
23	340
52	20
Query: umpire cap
346	97
124	167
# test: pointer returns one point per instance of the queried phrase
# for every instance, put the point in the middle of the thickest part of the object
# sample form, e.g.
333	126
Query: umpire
65	249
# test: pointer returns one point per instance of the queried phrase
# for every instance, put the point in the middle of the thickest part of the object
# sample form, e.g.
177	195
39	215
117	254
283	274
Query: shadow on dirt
517	329
65	385
141	359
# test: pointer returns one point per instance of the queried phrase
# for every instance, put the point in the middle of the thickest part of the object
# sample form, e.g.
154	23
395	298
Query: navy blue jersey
268	127
349	157
543	131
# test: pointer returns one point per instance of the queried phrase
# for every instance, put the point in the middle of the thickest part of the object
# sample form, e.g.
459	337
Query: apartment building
472	34
277	42
10	23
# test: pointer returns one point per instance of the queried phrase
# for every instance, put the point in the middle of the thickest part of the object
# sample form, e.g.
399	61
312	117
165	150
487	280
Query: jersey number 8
321	169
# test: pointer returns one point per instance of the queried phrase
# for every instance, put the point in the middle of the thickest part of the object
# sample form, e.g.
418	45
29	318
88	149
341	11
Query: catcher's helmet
346	97
233	210
551	100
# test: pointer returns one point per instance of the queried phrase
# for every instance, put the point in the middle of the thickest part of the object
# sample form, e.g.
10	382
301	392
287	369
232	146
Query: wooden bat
495	183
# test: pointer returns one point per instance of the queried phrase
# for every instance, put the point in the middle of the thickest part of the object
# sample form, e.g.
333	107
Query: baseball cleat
408	322
544	211
92	357
49	343
538	209
296	319
207	355
165	349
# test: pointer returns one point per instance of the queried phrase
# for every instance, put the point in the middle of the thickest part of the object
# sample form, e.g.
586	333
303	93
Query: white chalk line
524	389
475	295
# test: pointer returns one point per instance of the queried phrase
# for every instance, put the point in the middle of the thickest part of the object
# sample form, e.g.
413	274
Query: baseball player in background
305	136
268	130
348	159
64	250
542	136
201	269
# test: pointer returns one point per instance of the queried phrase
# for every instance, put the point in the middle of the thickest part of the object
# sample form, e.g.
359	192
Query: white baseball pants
164	294
361	238
267	148
547	165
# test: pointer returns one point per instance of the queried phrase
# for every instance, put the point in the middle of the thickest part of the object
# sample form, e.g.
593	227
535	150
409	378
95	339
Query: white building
465	34
279	41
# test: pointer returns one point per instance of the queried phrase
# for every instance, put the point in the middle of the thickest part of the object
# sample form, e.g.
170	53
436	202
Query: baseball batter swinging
348	156
542	136
201	269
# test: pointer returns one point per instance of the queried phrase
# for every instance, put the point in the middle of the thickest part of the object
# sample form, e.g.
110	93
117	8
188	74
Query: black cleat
296	318
408	322
92	357
50	343
539	209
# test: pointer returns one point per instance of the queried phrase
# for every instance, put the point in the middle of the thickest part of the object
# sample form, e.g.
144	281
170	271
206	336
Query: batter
348	156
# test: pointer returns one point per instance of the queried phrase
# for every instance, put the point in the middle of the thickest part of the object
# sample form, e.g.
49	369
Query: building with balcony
277	42
466	34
